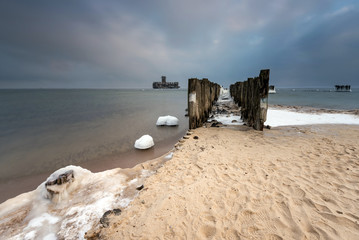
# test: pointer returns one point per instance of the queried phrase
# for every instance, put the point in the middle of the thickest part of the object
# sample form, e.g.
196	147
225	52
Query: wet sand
299	182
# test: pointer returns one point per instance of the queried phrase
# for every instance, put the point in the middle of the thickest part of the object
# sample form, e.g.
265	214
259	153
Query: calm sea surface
43	130
317	98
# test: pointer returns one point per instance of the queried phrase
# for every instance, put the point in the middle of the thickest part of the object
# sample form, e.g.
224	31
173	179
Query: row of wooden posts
201	96
251	96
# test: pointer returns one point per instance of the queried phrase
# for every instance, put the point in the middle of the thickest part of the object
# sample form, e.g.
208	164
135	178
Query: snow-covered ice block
167	120
144	142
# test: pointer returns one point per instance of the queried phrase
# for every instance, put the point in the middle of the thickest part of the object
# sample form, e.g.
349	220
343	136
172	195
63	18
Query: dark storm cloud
132	43
324	53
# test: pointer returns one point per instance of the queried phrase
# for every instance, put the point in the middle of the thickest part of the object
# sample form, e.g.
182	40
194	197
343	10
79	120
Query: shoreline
314	110
178	184
129	159
133	157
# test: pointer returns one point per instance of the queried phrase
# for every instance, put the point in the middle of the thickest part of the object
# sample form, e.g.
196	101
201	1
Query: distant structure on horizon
271	89
343	88
164	85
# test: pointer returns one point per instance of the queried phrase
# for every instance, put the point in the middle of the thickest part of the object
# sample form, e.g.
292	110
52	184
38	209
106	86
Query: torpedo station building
164	85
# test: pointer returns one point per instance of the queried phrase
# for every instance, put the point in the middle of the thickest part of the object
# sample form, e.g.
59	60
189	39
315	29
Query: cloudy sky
130	44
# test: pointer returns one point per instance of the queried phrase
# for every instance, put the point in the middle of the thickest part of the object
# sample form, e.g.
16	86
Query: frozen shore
224	177
76	205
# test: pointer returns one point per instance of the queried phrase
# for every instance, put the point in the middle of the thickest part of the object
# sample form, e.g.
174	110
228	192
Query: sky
131	43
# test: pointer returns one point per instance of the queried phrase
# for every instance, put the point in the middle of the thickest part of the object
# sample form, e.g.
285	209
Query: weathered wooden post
263	93
192	102
201	96
252	97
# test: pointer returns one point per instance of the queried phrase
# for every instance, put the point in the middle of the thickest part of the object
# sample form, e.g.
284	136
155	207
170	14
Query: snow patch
133	181
169	156
79	219
39	221
144	142
39	226
50	236
124	202
224	96
192	97
30	235
167	120
277	118
227	119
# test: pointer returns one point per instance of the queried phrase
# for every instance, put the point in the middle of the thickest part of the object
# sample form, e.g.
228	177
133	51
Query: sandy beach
295	182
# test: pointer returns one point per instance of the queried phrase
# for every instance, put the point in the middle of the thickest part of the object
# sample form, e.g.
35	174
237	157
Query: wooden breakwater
252	97
201	96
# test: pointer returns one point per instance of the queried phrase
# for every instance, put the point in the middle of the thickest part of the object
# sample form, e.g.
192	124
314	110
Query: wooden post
252	97
201	96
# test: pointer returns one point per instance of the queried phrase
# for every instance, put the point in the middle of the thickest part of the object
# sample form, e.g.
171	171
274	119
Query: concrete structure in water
343	88
272	89
165	85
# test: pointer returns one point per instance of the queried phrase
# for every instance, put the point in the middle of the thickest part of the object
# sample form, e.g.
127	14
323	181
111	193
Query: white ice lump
167	120
144	142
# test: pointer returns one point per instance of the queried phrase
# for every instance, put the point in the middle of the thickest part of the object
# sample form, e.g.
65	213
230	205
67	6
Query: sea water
44	130
316	97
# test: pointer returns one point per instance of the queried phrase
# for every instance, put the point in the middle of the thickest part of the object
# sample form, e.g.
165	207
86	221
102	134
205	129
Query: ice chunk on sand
169	156
144	142
62	182
167	120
